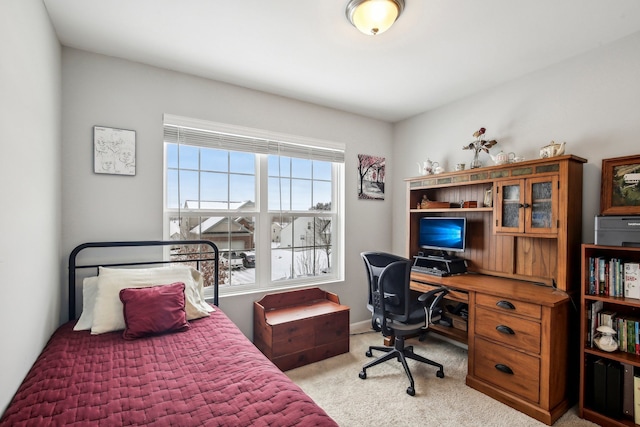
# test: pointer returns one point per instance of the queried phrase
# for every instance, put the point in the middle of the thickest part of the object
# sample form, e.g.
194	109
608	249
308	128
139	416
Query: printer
623	230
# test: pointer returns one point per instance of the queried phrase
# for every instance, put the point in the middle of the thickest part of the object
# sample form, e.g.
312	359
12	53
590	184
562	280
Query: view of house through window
271	210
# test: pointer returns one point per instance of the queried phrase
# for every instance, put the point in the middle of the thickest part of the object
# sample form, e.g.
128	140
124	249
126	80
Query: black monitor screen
445	234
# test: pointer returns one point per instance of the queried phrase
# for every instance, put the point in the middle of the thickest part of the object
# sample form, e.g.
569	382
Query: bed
202	372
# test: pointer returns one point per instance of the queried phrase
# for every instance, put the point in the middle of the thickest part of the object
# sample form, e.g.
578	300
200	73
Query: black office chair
395	313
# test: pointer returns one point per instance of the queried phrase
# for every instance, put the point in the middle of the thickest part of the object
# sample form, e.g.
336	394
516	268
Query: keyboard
430	270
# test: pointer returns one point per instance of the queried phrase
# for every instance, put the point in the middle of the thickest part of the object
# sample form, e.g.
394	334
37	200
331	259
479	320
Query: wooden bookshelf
626	307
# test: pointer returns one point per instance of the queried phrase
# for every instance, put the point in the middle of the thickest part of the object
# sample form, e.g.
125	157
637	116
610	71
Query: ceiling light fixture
374	16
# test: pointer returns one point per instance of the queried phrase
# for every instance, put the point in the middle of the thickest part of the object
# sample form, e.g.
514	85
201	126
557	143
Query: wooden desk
517	337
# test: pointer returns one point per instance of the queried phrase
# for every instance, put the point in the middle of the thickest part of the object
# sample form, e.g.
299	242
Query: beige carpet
381	399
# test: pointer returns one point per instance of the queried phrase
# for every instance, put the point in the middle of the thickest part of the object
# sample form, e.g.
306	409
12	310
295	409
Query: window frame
260	211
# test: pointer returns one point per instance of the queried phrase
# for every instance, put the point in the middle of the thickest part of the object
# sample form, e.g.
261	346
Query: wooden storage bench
300	327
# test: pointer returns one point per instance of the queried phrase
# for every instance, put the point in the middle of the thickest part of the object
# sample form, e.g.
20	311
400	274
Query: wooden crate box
299	327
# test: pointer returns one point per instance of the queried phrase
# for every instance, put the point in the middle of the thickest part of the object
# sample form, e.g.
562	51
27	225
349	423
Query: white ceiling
438	50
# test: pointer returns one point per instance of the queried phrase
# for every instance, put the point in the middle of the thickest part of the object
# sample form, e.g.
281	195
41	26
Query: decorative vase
476	163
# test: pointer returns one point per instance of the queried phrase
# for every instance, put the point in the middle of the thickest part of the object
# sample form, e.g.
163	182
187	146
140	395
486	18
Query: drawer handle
505	330
504	368
506	305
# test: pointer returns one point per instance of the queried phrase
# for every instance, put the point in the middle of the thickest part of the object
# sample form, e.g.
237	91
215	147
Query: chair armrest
427	296
431	300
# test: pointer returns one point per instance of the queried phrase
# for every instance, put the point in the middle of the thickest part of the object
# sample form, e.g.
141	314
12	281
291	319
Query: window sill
272	289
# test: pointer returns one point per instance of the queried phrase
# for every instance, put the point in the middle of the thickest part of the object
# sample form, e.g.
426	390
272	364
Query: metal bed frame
201	256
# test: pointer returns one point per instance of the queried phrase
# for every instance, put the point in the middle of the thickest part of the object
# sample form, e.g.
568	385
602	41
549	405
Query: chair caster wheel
411	391
368	353
362	375
440	374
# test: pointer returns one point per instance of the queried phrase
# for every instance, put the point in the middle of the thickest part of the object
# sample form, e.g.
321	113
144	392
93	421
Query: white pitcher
427	167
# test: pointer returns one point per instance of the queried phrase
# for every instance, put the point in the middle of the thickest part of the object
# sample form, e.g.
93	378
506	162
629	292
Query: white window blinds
181	130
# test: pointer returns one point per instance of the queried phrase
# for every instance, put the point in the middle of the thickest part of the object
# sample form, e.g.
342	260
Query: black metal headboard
195	257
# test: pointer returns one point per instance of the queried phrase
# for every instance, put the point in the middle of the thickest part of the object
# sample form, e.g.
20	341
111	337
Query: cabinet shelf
618	356
484	209
600	419
451	332
629	302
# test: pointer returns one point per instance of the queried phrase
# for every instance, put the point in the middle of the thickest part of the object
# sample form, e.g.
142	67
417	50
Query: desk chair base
402	353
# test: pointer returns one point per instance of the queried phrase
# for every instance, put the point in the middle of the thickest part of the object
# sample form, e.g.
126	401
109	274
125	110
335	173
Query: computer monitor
445	234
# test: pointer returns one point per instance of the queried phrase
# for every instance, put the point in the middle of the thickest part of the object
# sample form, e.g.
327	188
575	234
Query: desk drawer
515	331
508	369
509	305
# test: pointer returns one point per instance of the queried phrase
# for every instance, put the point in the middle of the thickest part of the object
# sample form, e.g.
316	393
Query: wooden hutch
523	256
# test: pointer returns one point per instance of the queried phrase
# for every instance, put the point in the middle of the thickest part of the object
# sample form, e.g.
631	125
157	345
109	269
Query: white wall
101	90
30	261
591	101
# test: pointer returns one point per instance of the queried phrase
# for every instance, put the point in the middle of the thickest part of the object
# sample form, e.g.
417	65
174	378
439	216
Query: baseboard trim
359	327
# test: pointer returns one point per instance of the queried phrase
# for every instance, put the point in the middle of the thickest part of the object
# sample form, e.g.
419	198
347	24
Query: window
271	203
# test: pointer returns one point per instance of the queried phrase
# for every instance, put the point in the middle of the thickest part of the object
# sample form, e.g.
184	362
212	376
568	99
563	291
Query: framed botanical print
620	193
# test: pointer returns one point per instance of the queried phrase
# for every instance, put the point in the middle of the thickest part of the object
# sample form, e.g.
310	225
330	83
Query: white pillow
108	312
89	292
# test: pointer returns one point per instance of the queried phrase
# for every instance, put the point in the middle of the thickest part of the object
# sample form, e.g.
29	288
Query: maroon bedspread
211	375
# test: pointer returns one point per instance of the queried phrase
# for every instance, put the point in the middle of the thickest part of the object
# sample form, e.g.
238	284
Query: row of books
613	277
627	328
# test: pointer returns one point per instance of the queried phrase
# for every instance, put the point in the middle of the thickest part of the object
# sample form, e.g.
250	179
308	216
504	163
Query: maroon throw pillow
153	310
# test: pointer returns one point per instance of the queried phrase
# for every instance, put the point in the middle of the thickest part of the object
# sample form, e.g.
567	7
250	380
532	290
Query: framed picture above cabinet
620	194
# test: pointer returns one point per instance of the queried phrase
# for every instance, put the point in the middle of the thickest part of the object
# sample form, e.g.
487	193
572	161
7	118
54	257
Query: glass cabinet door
509	202
510	205
527	206
542	205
